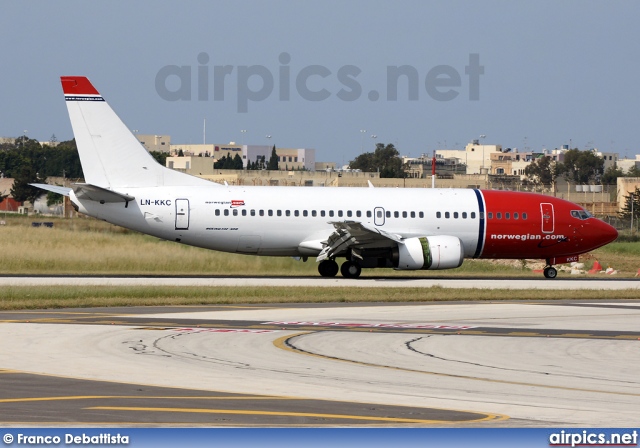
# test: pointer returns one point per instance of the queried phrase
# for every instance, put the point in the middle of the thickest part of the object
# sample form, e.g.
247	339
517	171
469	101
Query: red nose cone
603	234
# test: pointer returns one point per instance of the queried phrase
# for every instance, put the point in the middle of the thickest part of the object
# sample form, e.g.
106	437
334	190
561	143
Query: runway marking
292	414
284	343
137	397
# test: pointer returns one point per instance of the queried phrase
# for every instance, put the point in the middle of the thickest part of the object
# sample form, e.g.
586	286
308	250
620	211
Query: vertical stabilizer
111	156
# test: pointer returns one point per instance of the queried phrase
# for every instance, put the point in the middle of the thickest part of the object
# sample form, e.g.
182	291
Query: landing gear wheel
328	268
350	269
550	272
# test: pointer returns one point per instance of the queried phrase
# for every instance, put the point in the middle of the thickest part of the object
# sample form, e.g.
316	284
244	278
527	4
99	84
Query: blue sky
553	72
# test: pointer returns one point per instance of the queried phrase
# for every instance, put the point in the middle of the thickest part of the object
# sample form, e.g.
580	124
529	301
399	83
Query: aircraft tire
328	268
350	269
550	272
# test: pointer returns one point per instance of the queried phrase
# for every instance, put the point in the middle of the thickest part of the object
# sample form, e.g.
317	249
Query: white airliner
369	227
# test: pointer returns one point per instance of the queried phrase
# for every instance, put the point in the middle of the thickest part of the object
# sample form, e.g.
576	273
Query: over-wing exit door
182	214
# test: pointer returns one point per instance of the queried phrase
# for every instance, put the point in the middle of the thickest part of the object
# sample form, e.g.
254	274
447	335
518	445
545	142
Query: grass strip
51	297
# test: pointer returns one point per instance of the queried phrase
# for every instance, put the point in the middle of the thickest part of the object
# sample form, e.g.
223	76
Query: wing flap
357	235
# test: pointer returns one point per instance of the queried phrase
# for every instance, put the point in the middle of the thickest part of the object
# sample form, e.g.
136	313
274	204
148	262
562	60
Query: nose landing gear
550	272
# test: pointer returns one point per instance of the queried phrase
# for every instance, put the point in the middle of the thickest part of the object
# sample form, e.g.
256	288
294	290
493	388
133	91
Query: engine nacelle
430	252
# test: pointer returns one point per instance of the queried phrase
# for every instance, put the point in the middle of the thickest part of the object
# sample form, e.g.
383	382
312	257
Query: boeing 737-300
412	228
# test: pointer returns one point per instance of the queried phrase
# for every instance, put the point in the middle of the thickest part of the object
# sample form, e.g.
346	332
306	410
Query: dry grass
40	297
89	246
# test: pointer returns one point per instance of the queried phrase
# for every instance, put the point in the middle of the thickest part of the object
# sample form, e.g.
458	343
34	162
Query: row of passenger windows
472	215
368	213
314	213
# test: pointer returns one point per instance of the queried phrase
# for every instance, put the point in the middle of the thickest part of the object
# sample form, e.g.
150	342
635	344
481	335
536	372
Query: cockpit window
581	214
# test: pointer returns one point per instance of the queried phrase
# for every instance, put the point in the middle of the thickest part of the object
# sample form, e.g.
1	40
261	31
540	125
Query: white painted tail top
111	156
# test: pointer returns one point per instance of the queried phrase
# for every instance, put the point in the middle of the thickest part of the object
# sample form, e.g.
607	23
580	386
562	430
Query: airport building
155	143
288	158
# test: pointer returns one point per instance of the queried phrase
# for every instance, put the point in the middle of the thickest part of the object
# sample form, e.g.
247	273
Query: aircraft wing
355	235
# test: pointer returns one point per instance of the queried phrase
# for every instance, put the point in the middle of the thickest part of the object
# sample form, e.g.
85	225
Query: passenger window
339	213
507	215
524	216
253	212
446	215
388	214
490	215
226	212
313	213
404	214
279	213
217	212
368	213
304	213
261	212
455	215
331	213
358	213
438	215
396	214
473	215
322	213
270	212
349	213
296	213
413	214
244	212
421	214
464	215
235	212
515	215
287	212
499	215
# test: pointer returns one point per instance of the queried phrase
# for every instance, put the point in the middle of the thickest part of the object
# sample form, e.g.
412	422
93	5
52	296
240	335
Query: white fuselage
287	221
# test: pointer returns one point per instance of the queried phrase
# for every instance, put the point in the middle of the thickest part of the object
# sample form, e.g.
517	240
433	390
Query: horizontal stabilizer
55	188
99	194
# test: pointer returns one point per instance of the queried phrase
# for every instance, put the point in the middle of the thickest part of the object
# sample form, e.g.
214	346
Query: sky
337	76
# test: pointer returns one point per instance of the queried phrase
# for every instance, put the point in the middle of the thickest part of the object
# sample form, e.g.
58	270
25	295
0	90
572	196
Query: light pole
482	136
362	132
242	131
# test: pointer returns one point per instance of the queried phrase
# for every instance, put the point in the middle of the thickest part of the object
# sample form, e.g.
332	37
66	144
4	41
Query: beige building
477	157
626	185
157	143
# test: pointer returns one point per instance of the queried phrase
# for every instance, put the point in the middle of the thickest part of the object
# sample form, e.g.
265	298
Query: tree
582	167
273	160
385	159
21	190
631	201
161	157
611	174
237	162
542	171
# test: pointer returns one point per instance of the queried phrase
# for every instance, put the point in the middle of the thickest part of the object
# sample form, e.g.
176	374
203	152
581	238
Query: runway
363	282
565	363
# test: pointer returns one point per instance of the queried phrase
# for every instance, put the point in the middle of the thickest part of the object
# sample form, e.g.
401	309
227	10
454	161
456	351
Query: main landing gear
329	268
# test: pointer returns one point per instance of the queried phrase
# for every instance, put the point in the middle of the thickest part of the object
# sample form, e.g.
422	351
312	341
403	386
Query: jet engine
430	252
